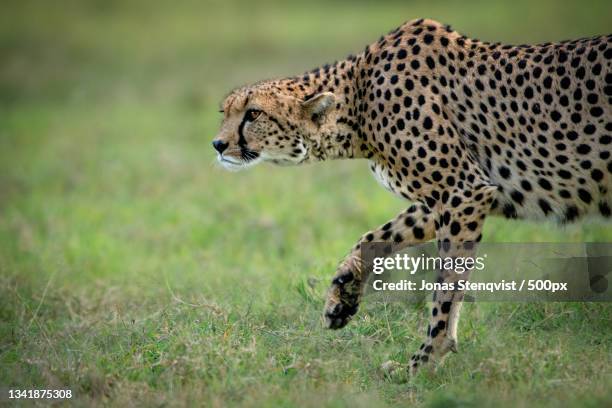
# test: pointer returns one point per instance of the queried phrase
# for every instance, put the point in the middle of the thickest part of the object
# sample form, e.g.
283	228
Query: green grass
136	272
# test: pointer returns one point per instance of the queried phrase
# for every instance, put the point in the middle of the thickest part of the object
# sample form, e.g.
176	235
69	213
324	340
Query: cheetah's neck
340	135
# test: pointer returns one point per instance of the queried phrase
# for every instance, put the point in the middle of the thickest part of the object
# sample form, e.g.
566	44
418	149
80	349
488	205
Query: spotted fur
462	128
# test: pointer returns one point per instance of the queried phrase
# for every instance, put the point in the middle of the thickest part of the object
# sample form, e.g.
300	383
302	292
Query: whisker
252	154
248	155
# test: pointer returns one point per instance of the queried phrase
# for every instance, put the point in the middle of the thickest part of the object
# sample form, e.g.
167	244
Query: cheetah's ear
319	105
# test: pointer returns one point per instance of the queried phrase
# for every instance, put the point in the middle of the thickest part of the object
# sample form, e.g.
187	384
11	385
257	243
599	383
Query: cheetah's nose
219	145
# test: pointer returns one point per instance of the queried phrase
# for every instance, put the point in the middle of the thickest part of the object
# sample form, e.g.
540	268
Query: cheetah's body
534	118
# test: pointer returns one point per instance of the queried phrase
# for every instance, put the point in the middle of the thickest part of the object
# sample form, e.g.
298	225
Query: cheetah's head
267	122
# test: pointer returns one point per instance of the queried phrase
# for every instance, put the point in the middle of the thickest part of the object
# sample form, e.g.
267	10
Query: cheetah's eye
252	114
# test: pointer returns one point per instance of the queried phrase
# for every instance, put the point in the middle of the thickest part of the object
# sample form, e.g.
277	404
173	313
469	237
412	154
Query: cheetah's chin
236	165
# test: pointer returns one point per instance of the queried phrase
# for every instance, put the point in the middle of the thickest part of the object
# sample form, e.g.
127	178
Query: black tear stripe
242	143
246	153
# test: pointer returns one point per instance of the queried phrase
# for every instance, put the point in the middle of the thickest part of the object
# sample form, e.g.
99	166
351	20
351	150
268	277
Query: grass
135	272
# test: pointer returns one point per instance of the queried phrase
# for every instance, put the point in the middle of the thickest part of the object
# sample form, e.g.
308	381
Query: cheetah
460	128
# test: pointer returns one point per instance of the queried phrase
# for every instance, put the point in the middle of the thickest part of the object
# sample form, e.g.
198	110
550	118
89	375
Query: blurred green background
133	270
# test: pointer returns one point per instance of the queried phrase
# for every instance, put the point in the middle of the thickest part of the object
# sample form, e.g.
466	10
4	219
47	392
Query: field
135	271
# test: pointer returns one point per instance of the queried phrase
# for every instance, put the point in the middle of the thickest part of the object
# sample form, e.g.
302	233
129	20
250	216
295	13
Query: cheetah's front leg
411	227
457	232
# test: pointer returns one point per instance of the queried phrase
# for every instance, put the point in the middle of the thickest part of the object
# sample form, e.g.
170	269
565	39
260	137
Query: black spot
418	233
504	172
555	115
589	129
565	82
509	211
517	197
430	62
526	185
583	149
545	184
596	175
544	206
571	213
584	195
455	228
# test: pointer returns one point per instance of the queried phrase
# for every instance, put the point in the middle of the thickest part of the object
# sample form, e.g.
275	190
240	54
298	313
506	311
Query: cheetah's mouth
247	158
